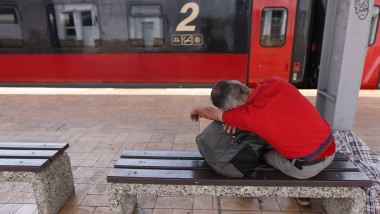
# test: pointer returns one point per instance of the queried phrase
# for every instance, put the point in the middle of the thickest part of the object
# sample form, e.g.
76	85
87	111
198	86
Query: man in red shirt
276	111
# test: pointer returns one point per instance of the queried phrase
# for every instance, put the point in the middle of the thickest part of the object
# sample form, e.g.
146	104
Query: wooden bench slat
33	146
29	154
161	164
29	165
201	164
255	178
182	155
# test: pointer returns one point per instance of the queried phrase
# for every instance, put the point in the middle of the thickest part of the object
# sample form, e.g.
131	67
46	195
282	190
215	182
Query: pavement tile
85	179
84	210
67	209
93	171
13	187
163	211
268	204
205	212
23	198
174	202
27	209
286	212
10	208
179	147
103	150
81	191
202	203
191	146
177	211
239	203
102	210
143	211
6	196
288	204
95	200
140	146
99	189
160	146
251	212
146	201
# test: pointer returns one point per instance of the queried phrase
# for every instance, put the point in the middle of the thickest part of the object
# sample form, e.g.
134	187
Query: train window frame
374	29
14	25
14	13
150	4
58	27
132	42
285	30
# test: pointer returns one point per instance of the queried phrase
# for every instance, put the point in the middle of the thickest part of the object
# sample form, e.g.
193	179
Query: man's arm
209	112
212	113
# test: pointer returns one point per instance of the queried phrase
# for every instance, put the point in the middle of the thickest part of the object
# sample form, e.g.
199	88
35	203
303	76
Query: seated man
276	111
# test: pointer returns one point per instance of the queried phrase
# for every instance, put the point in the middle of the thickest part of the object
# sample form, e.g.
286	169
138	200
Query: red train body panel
371	77
119	68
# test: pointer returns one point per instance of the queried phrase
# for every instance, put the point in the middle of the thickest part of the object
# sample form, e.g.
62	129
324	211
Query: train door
271	39
371	71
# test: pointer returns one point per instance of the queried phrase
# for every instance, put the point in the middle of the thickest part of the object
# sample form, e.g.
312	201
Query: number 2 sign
184	24
188	39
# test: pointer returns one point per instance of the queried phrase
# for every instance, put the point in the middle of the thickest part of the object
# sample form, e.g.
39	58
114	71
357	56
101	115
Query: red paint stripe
123	68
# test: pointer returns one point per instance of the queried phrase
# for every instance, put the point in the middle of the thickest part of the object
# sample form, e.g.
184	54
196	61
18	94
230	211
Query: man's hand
229	128
209	112
194	116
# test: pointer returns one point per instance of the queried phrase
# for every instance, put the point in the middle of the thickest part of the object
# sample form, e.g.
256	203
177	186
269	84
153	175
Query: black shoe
304	201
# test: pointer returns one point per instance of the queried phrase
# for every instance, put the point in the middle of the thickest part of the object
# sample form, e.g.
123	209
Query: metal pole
345	43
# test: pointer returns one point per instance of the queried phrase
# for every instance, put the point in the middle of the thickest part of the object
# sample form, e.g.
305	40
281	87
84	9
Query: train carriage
166	42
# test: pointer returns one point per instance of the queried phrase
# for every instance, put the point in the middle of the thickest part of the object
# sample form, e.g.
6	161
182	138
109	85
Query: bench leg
346	205
121	202
54	185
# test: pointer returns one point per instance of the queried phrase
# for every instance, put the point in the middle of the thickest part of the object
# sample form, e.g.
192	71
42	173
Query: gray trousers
284	165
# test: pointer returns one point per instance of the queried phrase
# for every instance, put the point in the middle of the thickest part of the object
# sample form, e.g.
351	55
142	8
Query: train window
8	16
374	25
75	26
273	27
10	28
145	25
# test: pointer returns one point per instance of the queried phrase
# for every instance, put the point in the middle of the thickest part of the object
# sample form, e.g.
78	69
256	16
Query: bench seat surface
30	157
189	168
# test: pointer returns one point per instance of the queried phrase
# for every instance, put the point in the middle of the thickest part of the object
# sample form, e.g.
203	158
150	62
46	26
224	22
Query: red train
166	42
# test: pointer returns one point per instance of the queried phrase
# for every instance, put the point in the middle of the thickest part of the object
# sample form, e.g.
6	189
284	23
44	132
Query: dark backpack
227	158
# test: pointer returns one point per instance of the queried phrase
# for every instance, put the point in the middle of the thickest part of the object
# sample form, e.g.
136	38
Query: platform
101	123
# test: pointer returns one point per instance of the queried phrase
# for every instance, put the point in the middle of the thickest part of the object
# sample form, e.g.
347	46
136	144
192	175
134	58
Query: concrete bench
185	173
45	165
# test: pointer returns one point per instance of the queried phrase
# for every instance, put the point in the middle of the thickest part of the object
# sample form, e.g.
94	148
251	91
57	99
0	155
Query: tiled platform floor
100	123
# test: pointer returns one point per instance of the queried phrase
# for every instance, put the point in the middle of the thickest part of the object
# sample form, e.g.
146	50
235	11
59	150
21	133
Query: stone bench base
52	187
337	200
